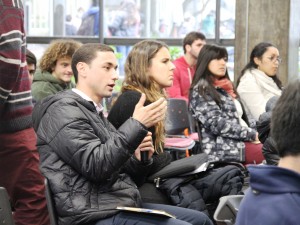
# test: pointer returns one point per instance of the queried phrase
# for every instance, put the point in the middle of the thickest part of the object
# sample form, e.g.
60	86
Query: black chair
178	117
227	209
179	136
5	208
50	204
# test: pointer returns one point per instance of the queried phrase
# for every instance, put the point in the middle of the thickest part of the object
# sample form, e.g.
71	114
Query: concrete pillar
275	21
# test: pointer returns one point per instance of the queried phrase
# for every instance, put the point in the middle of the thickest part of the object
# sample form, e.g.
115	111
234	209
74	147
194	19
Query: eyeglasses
274	59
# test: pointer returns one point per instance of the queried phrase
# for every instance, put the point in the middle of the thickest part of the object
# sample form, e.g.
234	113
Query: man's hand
151	114
146	145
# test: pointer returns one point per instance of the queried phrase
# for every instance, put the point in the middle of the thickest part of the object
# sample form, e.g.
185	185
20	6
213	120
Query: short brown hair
191	37
86	53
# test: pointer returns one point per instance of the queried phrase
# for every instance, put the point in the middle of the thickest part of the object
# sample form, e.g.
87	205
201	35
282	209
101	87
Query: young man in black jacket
83	155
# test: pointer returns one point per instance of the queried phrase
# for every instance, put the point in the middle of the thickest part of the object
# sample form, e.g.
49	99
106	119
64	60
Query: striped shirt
15	93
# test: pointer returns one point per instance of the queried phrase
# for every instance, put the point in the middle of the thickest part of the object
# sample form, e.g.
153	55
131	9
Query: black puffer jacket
82	155
263	127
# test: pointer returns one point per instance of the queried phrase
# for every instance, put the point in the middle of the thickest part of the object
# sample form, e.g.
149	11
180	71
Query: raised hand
151	114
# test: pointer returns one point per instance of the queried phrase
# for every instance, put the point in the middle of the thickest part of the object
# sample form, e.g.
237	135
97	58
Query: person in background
19	159
90	21
227	131
70	28
274	194
125	22
186	65
258	81
31	64
54	73
83	155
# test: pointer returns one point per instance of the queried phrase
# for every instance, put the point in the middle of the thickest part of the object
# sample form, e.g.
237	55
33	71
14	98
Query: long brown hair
136	66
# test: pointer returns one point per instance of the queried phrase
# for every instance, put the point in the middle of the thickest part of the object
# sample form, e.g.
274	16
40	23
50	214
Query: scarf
265	82
225	84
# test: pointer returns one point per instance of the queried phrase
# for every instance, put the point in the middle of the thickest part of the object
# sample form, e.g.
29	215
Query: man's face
195	47
31	70
101	75
62	70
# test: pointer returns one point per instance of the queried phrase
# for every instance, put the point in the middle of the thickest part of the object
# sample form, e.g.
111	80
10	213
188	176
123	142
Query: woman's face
269	62
218	67
161	68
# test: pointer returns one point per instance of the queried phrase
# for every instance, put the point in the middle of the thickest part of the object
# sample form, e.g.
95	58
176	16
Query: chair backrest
227	209
177	117
5	208
50	204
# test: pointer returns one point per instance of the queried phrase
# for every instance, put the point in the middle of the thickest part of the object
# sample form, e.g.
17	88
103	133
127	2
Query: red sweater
15	94
183	76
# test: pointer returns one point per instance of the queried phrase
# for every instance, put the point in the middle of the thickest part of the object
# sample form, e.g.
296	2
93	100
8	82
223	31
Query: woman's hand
256	141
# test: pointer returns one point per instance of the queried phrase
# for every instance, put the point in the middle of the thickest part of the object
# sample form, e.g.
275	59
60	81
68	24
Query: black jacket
263	127
83	155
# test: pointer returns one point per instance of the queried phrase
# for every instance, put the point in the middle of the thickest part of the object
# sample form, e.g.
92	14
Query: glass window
299	62
227	19
122	23
159	19
64	18
126	19
230	63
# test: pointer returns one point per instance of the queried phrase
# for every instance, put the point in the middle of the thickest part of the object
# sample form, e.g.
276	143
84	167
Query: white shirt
98	106
239	110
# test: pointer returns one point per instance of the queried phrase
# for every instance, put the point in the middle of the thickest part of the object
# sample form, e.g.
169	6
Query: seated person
31	63
83	155
186	65
152	78
274	195
258	81
226	130
55	71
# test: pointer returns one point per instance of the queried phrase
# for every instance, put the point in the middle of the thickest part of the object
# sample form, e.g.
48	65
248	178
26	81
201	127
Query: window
122	23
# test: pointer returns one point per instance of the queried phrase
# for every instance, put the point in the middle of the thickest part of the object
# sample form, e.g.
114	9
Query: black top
123	109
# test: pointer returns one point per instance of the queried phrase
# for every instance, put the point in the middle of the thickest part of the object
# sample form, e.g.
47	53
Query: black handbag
182	167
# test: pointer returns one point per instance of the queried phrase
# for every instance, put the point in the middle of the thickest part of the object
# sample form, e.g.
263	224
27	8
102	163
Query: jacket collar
274	179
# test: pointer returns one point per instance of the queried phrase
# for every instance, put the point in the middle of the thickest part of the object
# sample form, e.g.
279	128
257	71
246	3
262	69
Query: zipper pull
156	181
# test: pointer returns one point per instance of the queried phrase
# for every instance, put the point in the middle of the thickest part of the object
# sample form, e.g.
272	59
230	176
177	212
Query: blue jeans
183	217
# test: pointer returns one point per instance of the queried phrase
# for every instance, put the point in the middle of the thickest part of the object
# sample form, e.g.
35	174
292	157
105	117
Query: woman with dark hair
226	130
258	81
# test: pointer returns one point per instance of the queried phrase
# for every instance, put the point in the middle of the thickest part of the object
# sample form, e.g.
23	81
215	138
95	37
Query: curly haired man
55	71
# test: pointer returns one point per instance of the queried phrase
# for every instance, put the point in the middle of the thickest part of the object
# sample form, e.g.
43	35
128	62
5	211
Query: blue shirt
273	199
